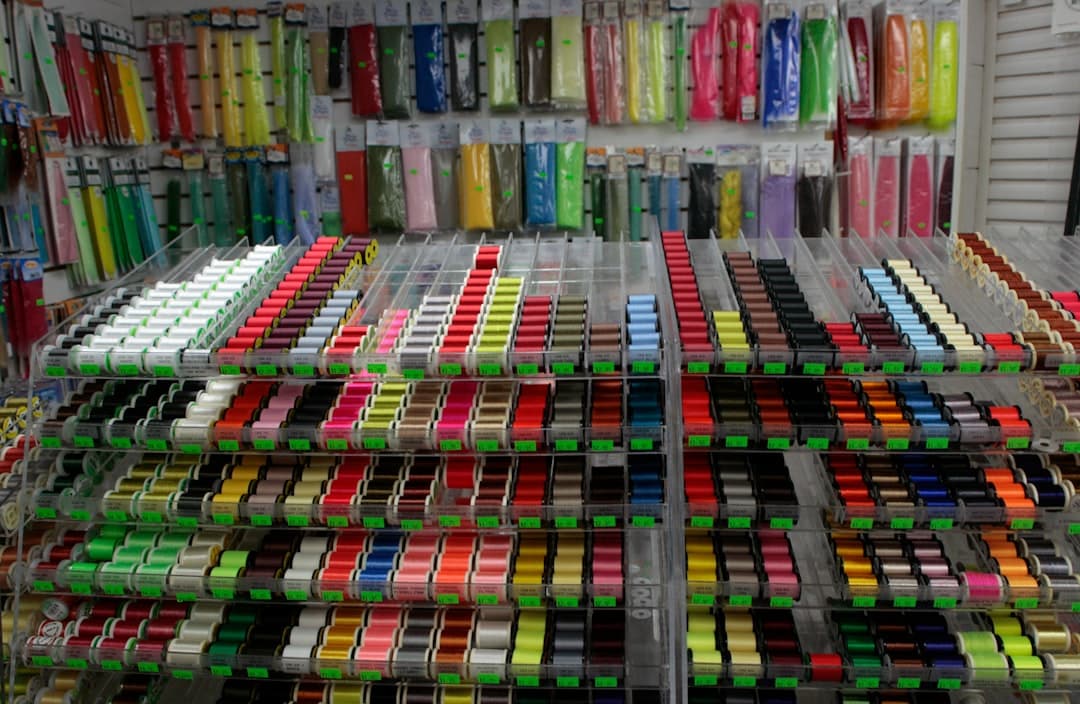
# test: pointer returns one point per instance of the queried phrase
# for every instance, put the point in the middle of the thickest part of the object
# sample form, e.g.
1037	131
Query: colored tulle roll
860	194
540	184
283	226
943	76
535	60
476	206
239	204
198	208
632	47
780	75
920	196
861	103
394	71
895	77
506	185
352	189
678	31
815	200
817	90
305	202
363	71
219	199
702	210
567	60
920	70
444	175
464	66
778	205
672	203
429	54
569	185
730	216
887	196
262	216
419	188
501	65
386	189
656	74
704	67
945	196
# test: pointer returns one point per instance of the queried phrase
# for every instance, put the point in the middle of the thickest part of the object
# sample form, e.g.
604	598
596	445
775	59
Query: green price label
127	370
81	515
566	445
908	683
376	368
775	368
1018	443
261	594
1027	603
643	521
813	369
1069	370
525	445
948	683
738	522
151	516
933	368
1009	367
149	667
163	370
374	443
450	521
892	367
108	665
228	445
702	599
864	602
263	444
452	445
743	682
487	445
708	681
183	674
1031	685
603	445
90	369
260	673
897	443
697	367
643	367
223	593
937	443
412	524
487	521
734	367
337	521
970	367
528	369
740	600
266	369
944	602
449	678
562	368
43	586
337	444
606	682
566	522
904	602
487	678
450	369
604	602
567	602
450	599
230	369
224	519
778	443
603	367
782	523
45	512
902	523
413	374
370	675
371	596
699	441
1022	523
641	444
858	443
308	370
572	682
529	602
701	522
1070	447
528	681
83	441
609	522
941	524
817	443
76	663
783	602
121	443
862	523
330	673
867	683
300	445
373	522
787	682
854	368
297	521
531	522
487	599
340	369
55	371
490	370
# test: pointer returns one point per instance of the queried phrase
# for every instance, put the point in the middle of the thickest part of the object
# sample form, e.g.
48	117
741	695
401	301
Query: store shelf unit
513	513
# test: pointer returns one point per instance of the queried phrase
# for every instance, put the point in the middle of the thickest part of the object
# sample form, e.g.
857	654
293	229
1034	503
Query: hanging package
352	179
305	199
205	58
777	198
680	18
501	54
657	50
364	60
701	164
918	213
318	48
815	188
780	66
391	23
944	74
738	173
887	153
429	56
567	54
339	21
594	62
946	151
534	28
540	173
705	67
858	58
476	207
444	171
256	118
919	63
463	27
893	71
817	91
419	182
276	20
740	48
506	173
231	125
860	210
570	174
633	50
385	180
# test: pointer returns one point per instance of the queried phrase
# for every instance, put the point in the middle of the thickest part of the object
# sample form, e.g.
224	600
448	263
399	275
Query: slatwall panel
1035	107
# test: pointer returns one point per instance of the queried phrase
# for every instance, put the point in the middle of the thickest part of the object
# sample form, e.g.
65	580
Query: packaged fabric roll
239	195
319	48
534	29
918	187
231	126
322	123
364	60
780	66
612	56
654	179
339	22
274	15
164	108
204	56
738	174
506	173
887	153
219	199
305	199
429	56
893	70
570	174
618	199
777	199
567	54
817	90
464	29
198	206
944	74
282	205
501	54
391	25
540	173
701	164
256	117
815	188
634	180
705	55
385	178
598	200
946	152
594	62
858	58
444	171
262	217
680	18
419	184
672	192
476	208
297	89
860	193
657	51
633	53
330	210
919	45
352	179
740	41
